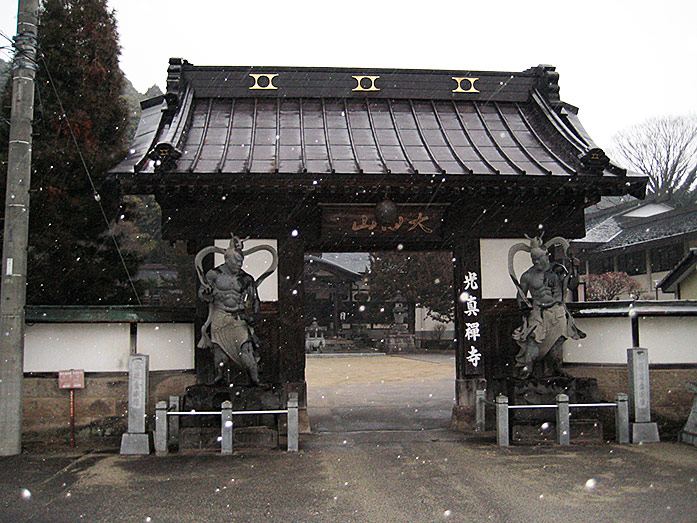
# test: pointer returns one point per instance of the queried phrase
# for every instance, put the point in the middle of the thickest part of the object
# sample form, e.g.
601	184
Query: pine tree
79	127
424	278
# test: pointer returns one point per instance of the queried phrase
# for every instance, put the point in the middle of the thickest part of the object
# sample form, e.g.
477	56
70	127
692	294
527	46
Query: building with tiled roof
682	280
645	239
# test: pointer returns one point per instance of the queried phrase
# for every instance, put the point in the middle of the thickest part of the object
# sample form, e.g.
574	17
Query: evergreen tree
80	123
424	278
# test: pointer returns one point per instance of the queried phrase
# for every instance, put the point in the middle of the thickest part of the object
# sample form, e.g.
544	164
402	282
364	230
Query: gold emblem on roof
269	78
371	79
470	84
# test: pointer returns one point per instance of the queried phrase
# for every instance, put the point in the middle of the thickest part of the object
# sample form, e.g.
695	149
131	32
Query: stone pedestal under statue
399	339
536	424
257	430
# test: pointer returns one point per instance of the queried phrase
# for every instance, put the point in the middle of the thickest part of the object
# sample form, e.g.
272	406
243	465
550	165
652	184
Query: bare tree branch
665	150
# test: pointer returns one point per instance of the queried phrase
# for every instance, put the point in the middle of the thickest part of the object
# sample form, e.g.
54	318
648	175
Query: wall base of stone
100	408
671	401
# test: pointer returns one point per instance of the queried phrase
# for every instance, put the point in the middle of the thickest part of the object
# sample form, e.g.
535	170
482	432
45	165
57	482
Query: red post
71	379
72	417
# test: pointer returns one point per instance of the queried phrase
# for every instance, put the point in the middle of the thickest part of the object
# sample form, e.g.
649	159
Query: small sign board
71	379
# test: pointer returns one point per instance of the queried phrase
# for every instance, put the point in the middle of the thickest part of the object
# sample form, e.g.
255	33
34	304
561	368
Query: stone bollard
563	425
293	422
161	428
622	418
173	424
689	431
502	421
480	411
643	430
137	440
226	427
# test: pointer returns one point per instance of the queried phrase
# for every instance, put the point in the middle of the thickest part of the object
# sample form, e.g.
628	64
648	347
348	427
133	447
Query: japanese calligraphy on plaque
413	221
469	305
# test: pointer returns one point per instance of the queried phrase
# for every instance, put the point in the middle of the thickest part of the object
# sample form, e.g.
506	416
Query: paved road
350	471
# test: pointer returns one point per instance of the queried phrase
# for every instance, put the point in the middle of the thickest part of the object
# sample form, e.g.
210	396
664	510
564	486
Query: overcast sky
620	61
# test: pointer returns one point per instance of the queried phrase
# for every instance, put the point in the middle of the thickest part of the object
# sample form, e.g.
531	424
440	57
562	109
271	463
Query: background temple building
645	239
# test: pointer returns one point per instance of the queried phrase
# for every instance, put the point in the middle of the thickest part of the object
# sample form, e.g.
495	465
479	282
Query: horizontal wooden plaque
358	221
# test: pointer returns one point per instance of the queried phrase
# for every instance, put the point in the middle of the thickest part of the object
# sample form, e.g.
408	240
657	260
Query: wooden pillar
470	354
290	303
334	296
203	358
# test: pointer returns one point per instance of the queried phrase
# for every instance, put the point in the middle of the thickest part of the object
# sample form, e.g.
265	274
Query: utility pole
14	251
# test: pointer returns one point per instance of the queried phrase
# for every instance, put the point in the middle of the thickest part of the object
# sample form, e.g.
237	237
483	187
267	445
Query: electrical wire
3	35
89	176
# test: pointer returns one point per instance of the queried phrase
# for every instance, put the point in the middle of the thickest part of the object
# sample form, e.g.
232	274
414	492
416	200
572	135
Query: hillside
133	98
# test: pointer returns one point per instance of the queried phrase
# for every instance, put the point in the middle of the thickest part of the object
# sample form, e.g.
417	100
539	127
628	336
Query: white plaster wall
422	323
496	283
104	347
169	345
94	347
606	341
256	264
668	340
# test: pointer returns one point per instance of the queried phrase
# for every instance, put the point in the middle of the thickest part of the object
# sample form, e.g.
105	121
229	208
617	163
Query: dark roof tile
228	120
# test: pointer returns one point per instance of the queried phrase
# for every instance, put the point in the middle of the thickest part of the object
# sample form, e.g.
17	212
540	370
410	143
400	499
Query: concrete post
173	424
293	422
622	418
137	440
480	422
226	428
502	421
563	425
689	431
161	428
643	430
16	229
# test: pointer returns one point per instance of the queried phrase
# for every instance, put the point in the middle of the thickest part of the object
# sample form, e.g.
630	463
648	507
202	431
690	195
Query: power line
97	197
3	35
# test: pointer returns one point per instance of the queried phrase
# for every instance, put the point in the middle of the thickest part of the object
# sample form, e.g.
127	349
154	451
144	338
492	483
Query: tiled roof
671	280
357	262
616	232
602	231
228	120
666	225
332	266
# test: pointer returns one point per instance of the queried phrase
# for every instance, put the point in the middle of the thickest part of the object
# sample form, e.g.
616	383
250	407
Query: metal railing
167	431
562	407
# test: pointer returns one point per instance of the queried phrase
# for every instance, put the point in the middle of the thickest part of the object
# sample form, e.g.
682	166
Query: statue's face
540	260
233	261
